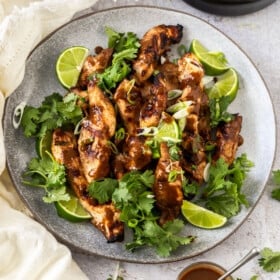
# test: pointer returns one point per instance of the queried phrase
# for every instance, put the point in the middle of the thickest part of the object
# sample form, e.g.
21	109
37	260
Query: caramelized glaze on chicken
228	139
104	217
155	104
96	130
168	191
154	44
129	102
94	64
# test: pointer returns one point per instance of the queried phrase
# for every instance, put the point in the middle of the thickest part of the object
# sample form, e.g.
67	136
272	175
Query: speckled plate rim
150	258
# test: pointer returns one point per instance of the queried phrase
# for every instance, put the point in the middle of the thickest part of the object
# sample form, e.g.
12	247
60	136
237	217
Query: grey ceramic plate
253	102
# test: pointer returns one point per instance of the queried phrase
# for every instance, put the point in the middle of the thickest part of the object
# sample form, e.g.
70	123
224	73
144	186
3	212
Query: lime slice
214	63
72	210
43	145
225	85
69	65
201	217
168	129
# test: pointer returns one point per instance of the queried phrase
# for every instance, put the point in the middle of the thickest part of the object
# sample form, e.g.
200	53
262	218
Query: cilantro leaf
189	188
113	74
113	36
48	174
55	111
29	120
270	260
102	190
225	204
276	178
223	193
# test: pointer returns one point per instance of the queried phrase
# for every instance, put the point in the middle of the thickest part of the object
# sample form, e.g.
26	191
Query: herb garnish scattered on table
276	178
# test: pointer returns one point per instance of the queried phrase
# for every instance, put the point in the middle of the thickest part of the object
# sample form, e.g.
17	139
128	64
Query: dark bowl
229	7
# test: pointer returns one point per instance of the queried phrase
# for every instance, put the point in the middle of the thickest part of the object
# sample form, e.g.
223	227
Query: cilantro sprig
55	111
103	189
270	260
224	189
48	174
125	47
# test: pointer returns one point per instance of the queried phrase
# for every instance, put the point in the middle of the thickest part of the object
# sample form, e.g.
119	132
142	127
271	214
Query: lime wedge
201	217
43	144
69	65
214	63
72	210
168	129
225	85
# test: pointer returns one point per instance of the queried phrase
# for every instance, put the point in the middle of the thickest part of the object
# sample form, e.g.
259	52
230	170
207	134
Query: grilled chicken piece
190	70
194	156
228	139
118	165
168	192
95	132
170	74
155	104
101	110
198	110
135	156
197	129
94	64
105	217
138	154
129	101
154	44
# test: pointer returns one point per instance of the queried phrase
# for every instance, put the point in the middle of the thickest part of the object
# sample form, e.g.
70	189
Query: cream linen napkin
27	250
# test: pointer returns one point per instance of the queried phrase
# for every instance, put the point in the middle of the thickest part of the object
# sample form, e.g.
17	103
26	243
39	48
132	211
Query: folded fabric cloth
27	249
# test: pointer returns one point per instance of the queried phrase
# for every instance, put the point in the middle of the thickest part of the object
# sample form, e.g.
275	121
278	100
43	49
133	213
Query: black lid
230	7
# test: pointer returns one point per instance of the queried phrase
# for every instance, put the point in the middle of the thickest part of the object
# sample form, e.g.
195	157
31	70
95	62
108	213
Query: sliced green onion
162	60
154	146
208	81
206	172
78	126
181	114
113	147
174	93
182	49
132	223
18	112
174	151
120	134
182	124
178	106
128	94
172	176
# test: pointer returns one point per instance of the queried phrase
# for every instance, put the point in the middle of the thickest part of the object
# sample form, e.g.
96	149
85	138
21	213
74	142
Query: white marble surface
258	35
